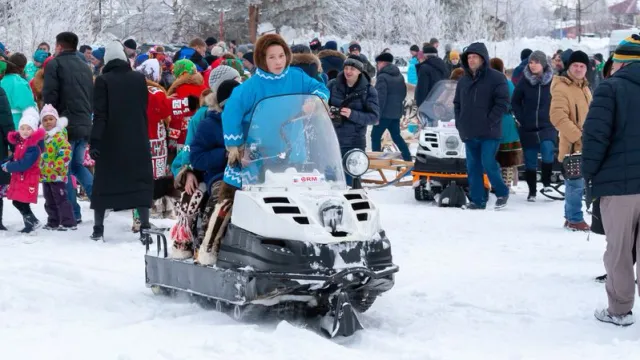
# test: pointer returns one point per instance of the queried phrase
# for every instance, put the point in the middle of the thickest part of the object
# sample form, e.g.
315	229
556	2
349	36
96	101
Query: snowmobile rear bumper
245	285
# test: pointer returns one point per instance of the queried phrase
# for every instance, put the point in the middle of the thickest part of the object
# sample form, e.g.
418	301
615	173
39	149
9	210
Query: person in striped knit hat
610	163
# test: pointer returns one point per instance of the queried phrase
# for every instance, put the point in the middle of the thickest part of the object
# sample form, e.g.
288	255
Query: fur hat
30	117
524	54
224	91
385	57
355	61
578	57
220	74
217	51
263	43
539	57
151	69
457	73
114	51
130	44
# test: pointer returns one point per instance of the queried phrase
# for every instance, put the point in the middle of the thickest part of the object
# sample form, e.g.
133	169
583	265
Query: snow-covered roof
628	7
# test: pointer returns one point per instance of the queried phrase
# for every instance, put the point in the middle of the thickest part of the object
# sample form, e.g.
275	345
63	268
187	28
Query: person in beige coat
570	100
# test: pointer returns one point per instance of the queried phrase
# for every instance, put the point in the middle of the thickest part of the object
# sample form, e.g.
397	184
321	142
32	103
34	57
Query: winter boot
501	202
98	233
546	169
579	226
30	223
145	238
532	178
208	251
2	228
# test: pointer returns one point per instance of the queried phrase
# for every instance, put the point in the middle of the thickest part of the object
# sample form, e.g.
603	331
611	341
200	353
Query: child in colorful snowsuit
24	167
54	167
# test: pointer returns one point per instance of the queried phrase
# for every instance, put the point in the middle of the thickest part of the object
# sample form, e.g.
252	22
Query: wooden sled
391	162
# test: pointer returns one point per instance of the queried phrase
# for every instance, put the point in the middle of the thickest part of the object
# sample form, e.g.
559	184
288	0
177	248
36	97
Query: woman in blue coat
531	101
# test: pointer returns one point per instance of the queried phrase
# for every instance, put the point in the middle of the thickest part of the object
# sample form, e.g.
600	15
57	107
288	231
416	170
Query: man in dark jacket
482	97
120	142
392	91
68	86
524	61
357	102
611	159
530	102
430	71
6	126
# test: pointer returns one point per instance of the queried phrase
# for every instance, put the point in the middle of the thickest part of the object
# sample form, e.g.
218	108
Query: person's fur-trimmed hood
328	53
263	43
193	79
306	59
211	101
33	140
547	76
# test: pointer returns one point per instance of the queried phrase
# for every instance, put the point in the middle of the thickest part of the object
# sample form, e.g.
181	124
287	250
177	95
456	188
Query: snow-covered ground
472	285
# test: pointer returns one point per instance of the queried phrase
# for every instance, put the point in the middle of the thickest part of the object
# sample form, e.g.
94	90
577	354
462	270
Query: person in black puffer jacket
530	102
352	93
610	163
6	126
482	97
430	71
392	91
68	86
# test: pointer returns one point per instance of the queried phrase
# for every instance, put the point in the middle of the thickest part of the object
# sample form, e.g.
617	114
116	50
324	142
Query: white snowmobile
440	170
298	238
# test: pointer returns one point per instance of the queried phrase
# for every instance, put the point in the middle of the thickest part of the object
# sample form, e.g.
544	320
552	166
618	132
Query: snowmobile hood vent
360	205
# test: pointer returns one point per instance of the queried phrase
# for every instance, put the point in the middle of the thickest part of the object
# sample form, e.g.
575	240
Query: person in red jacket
188	87
160	107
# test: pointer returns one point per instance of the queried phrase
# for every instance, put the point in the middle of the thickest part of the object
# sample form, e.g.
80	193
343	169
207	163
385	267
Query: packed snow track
472	285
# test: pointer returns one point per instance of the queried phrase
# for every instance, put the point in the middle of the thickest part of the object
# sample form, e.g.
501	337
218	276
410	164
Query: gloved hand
235	154
94	153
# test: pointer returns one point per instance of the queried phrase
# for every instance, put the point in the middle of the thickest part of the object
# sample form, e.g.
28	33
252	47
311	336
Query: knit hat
114	51
151	69
429	50
217	51
224	91
48	109
300	49
354	61
578	57
249	57
98	53
211	41
40	56
220	74
599	57
414	48
524	54
130	44
384	57
30	117
539	57
354	47
243	49
628	50
315	44
184	66
331	45
454	55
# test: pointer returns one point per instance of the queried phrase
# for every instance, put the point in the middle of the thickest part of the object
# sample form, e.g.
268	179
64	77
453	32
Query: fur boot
507	176
157	209
208	252
181	232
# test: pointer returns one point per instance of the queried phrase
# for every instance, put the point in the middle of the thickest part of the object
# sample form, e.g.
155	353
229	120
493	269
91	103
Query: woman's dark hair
16	64
606	70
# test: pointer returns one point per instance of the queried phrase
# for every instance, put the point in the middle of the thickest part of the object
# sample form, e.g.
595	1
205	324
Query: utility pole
579	20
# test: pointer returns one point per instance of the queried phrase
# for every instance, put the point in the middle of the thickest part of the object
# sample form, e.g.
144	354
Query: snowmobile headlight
452	143
356	162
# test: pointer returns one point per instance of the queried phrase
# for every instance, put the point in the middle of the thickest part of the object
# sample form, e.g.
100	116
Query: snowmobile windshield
437	109
291	143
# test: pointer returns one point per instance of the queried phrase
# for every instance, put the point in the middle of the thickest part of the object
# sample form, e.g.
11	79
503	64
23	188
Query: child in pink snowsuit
24	167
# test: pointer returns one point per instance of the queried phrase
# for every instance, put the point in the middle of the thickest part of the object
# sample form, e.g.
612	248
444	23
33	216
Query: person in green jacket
33	66
510	152
17	88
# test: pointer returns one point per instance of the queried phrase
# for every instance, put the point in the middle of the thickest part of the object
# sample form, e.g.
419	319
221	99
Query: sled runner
297	237
384	163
